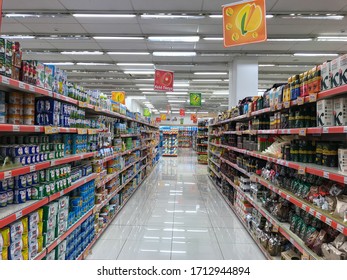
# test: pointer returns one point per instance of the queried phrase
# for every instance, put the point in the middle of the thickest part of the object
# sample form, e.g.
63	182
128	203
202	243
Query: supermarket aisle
177	214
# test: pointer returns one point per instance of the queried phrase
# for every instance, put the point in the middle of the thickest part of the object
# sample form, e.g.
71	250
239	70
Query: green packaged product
42	176
46	189
37	192
50	210
50	175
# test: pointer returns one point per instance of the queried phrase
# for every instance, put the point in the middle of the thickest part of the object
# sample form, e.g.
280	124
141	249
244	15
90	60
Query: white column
243	79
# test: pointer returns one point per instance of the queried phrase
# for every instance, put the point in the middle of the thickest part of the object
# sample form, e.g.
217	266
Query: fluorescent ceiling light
215	16
181	85
117	38
149	93
220	93
174	38
104	15
269	16
135	64
128	53
213	38
56	37
210	73
176	101
290	40
21	15
148	79
17	37
139	72
203	112
174	53
332	17
93	64
207	80
224	105
82	53
177	93
163	111
175	112
332	39
146	89
315	54
166	16
59	63
266	65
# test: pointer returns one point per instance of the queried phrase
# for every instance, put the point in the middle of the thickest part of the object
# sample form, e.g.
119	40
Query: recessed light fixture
207	80
104	15
59	63
168	16
135	64
146	89
139	72
82	53
332	38
210	73
176	101
177	93
299	16
190	39
215	16
93	64
174	53
315	54
128	53
149	92
266	65
12	37
220	93
290	40
117	38
203	112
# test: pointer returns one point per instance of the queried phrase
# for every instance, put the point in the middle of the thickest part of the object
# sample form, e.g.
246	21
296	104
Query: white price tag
61	193
345	180
291	240
52	162
345	129
31	88
280	192
7	174
340	228
318	215
325	129
50	94
19	214
311	211
288	197
32	168
326	174
21	85
328	221
5	80
37	129
303	207
16	128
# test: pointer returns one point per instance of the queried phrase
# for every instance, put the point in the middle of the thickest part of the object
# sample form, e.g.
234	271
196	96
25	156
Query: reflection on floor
176	214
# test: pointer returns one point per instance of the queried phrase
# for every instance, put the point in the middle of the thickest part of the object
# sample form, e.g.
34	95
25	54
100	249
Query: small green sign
182	121
195	99
146	112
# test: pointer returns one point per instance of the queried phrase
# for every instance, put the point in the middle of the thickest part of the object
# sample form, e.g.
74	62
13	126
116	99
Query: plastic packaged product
20	196
50	210
49	224
48	237
10	197
3	199
50	256
340	111
15	250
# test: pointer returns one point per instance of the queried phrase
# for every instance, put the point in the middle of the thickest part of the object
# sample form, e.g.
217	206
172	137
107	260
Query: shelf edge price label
302	132
92	131
303	207
305	256
37	129
32	168
328	221
302	170
275	228
318	215
31	88
300	101
286	104
313	97
16	128
82	104
19	214
5	80
311	211
326	175
51	130
7	174
81	131
345	180
325	129
21	85
340	228
97	109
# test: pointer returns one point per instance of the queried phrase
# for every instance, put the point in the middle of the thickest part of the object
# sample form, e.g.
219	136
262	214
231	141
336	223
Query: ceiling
55	28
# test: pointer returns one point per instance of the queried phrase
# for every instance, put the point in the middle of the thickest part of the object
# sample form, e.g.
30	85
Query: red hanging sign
158	119
163	80
182	112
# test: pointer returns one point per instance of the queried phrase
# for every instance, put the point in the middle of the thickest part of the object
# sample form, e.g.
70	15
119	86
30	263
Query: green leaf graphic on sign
146	112
195	99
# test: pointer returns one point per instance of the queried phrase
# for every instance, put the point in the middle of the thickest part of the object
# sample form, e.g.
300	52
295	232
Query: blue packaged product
3	185
10	197
3	199
29	179
20	182
35	178
20	196
32	159
10	183
17	151
28	193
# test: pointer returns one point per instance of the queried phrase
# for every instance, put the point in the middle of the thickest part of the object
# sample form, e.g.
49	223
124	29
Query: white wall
134	105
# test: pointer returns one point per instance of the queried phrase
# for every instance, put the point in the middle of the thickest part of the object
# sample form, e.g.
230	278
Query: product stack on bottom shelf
70	160
202	142
279	162
170	142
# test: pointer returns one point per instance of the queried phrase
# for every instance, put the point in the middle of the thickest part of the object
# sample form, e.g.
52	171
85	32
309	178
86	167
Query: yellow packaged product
4	254
5	236
40	211
25	240
25	225
25	254
40	229
40	244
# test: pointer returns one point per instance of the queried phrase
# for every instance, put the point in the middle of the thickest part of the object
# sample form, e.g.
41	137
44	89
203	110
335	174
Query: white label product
343	70
340	111
334	74
342	154
325	112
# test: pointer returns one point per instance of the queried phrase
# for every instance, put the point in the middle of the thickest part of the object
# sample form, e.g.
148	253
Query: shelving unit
233	155
170	143
142	158
202	142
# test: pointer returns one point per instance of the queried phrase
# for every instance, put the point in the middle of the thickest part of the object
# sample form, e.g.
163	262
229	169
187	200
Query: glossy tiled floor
176	214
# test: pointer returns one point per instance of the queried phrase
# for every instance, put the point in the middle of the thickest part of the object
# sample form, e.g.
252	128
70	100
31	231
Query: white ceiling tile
74	45
14	28
92	5
268	46
47	57
100	20
61	19
212	29
317	47
34	44
170	29
309	6
155	46
55	28
33	5
281	30
113	28
116	45
171	6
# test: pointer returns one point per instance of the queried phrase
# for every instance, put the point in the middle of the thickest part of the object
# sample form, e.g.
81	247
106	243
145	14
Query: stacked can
3	118
29	109
15	108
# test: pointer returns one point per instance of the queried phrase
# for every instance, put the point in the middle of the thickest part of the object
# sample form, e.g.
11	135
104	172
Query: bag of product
329	252
317	246
339	241
341	207
311	235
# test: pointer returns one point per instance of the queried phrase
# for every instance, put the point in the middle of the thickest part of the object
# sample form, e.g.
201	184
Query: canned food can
15	98
29	99
29	110
26	150
46	189
57	173
16	151
29	120
4	185
15	119
42	175
10	182
20	182
14	109
20	196
35	178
